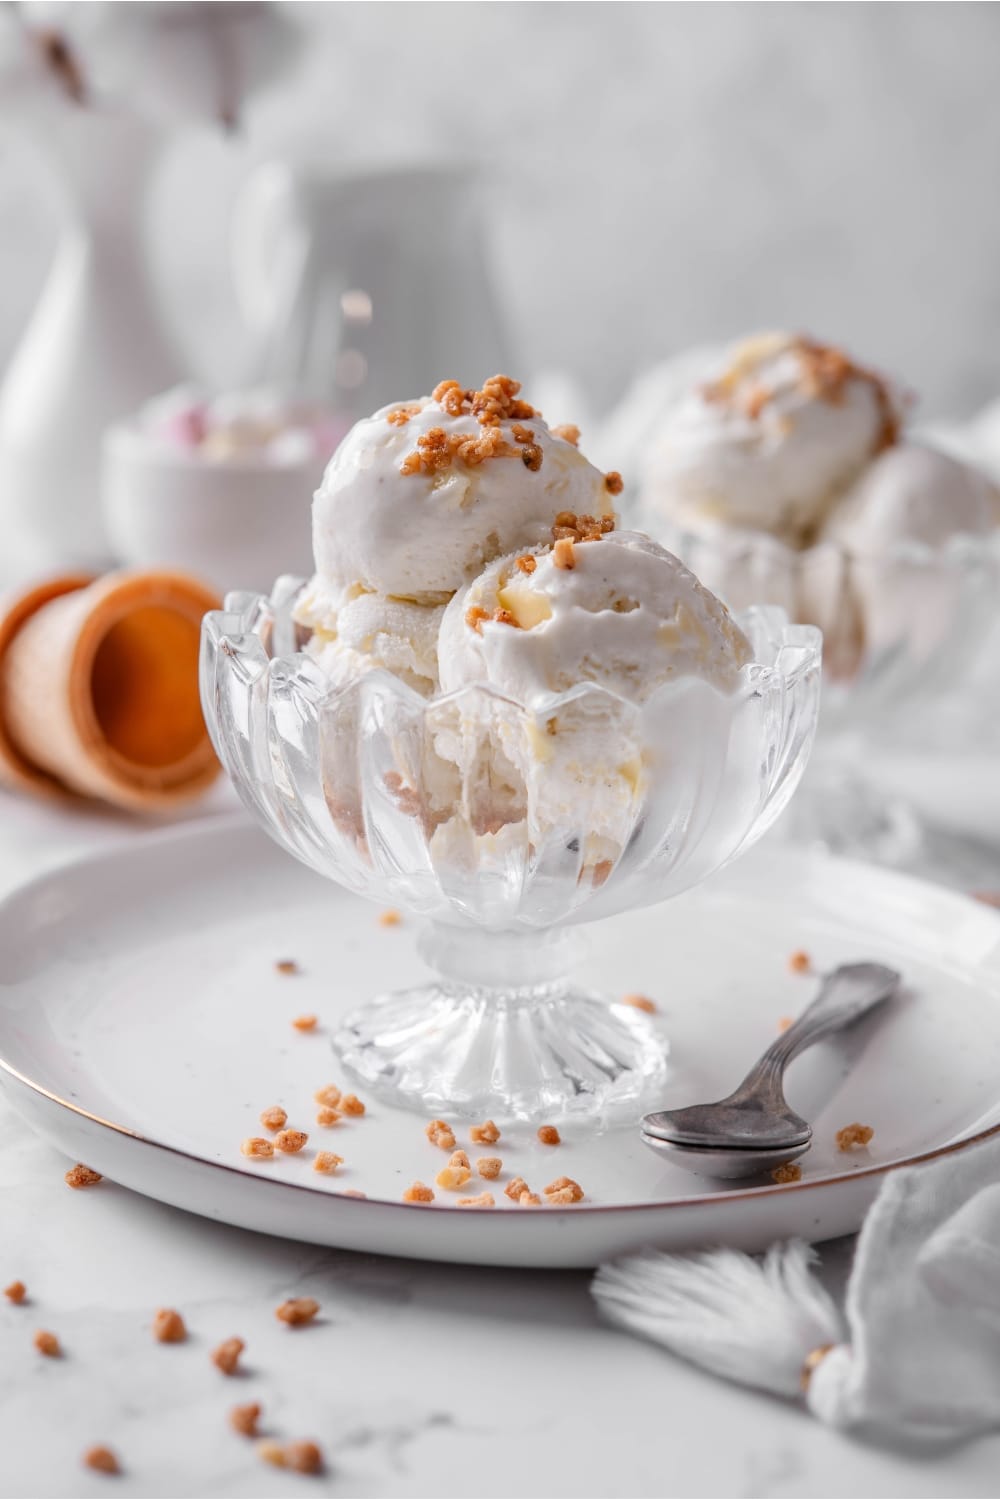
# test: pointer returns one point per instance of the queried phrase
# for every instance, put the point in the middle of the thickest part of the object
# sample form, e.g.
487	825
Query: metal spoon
753	1130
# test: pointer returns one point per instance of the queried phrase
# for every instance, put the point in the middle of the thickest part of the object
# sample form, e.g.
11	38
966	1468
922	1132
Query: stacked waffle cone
99	689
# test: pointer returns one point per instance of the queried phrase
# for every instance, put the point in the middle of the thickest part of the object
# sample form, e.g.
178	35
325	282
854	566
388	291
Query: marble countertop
416	1379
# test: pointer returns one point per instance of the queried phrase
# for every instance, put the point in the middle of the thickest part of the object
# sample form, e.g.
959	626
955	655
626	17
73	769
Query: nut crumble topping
245	1418
82	1177
226	1356
328	1094
350	1104
474	617
256	1145
569	432
327	1161
453	1177
563	555
528	1200
482	1200
527	563
489	1167
440	1133
326	1115
16	1292
613	482
290	1141
297	1310
854	1135
458	1159
563	1190
102	1459
274	1118
790	1172
486	1134
400	415
495	403
46	1343
549	1135
168	1327
569	526
418	1192
515	1187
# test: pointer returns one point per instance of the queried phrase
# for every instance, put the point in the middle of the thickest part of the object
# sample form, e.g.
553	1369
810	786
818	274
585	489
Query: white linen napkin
915	1356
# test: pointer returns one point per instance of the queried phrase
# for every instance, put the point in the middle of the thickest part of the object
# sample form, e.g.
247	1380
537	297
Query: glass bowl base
542	1054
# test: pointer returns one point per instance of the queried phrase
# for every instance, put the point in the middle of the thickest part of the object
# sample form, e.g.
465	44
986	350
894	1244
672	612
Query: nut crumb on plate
515	1187
303	1457
854	1135
274	1118
799	962
458	1159
168	1327
328	1094
82	1177
489	1167
305	1023
390	917
789	1172
784	1022
226	1356
353	1193
327	1161
563	1190
528	1200
102	1459
16	1292
272	1453
290	1141
287	966
350	1104
327	1115
485	1134
440	1133
47	1343
640	1002
256	1145
418	1192
297	1310
482	1200
453	1177
549	1135
245	1418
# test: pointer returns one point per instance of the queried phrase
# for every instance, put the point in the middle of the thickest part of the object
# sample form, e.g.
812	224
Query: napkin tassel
762	1322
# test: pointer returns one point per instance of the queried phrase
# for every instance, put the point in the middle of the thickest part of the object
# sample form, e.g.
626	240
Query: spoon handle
846	995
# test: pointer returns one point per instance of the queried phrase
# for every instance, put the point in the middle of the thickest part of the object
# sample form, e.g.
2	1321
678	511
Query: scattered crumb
297	1310
640	1002
329	1094
790	1172
271	1453
390	917
486	1134
304	1458
440	1133
563	1190
102	1459
526	563
305	1023
245	1418
168	1326
563	556
453	1177
81	1176
474	617
784	1022
287	966
353	1193
613	482
256	1145
528	1200
350	1104
484	1200
569	432
47	1343
549	1135
489	1167
16	1292
458	1159
226	1356
418	1192
515	1187
274	1118
799	962
327	1115
854	1135
290	1141
327	1161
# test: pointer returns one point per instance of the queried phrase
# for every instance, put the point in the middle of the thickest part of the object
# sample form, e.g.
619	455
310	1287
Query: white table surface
420	1380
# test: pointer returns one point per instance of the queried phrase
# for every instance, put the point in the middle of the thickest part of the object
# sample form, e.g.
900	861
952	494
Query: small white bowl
234	523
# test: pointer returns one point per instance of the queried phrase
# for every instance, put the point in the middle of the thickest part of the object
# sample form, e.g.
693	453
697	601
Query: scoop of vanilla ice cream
354	631
913	493
421	496
770	439
624	613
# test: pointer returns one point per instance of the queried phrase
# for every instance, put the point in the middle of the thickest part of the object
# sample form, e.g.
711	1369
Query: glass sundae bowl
501	825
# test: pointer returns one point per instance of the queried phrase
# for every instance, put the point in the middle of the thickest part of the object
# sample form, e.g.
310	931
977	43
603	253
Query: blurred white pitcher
366	288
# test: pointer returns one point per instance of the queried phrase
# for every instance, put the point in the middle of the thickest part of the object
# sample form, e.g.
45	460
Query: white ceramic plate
143	1027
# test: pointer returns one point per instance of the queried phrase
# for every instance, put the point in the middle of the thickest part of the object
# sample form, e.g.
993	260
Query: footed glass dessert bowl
505	827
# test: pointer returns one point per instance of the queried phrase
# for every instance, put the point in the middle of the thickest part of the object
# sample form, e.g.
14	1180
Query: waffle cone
99	690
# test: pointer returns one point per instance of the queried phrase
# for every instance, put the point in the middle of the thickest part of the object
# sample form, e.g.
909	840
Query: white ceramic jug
94	348
367	288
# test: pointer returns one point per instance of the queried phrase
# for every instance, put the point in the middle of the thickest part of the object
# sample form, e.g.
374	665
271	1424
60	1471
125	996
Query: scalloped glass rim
797	650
